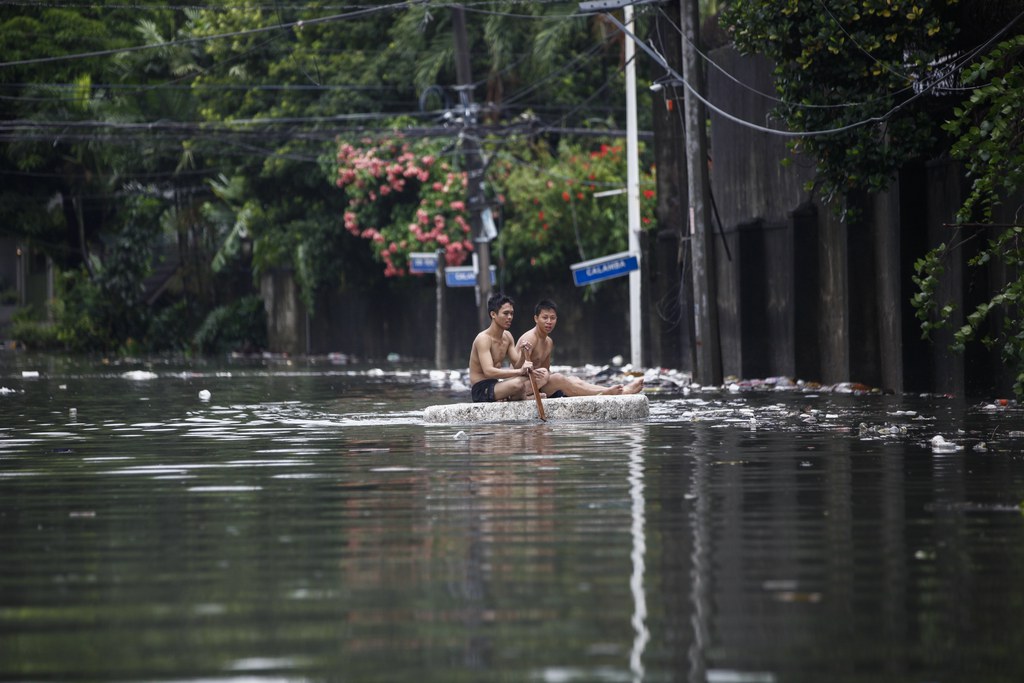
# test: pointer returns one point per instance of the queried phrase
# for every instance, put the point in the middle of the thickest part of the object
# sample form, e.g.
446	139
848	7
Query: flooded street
300	522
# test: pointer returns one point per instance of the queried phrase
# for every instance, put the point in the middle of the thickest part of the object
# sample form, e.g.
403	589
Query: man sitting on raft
490	381
537	346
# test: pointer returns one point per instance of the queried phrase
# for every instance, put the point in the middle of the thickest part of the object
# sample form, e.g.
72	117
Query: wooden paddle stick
540	406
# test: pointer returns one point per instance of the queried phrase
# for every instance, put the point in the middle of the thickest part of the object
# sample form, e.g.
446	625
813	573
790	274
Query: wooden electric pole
705	304
475	201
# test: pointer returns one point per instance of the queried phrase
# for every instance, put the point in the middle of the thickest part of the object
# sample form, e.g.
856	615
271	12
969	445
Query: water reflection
307	525
638	553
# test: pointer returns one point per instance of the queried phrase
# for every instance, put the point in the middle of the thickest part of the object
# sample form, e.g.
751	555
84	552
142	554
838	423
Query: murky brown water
303	523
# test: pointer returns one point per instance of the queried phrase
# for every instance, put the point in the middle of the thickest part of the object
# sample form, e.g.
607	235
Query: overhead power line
796	105
660	60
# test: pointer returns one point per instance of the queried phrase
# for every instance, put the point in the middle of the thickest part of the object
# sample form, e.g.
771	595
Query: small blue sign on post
604	268
422	262
464	276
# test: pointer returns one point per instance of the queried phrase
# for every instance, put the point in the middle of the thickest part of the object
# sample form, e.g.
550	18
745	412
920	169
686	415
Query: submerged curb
577	408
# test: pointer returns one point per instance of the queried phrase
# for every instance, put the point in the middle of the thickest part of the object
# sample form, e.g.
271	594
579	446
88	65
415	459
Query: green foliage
240	326
403	198
79	313
171	327
990	129
990	143
233	217
33	333
102	309
258	111
844	63
553	219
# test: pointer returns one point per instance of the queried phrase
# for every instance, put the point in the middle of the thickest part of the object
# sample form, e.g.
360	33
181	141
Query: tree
404	196
554	214
990	142
862	68
228	116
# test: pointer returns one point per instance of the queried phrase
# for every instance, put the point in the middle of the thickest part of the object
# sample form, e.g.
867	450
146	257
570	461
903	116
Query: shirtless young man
490	381
537	346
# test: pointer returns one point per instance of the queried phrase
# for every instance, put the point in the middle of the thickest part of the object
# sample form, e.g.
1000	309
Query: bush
240	326
33	333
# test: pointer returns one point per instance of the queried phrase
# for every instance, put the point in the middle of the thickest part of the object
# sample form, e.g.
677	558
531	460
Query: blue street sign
423	262
604	268
463	276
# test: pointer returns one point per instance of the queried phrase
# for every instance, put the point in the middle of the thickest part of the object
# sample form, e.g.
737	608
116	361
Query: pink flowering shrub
403	199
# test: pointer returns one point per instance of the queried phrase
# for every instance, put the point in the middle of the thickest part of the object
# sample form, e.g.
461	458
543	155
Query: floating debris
139	375
940	445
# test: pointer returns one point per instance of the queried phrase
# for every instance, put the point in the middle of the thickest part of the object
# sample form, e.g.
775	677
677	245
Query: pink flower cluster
373	173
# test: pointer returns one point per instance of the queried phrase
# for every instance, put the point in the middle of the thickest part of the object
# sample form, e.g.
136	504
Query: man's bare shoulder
530	335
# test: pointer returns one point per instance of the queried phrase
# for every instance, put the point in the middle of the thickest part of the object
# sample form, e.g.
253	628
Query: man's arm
523	349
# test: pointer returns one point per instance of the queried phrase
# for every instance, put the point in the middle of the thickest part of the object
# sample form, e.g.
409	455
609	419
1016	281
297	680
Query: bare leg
540	377
574	386
512	389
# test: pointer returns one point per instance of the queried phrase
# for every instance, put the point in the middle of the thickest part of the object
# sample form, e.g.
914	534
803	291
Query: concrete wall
805	294
400	317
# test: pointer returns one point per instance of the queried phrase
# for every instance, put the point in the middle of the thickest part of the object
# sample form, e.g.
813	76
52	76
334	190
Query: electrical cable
774	98
660	60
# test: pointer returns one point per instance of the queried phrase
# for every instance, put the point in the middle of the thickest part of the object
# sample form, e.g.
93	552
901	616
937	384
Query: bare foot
611	391
634	387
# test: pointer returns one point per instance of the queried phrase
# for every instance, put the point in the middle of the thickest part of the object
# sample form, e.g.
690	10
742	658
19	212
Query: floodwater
303	523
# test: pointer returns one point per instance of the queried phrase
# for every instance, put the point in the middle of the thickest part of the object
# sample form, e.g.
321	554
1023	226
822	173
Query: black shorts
483	391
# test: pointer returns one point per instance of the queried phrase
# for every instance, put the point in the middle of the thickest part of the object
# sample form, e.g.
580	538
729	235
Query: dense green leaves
989	129
556	214
863	66
990	143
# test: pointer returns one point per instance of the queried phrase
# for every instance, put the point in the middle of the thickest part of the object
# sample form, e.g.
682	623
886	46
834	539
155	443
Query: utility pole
705	304
440	345
474	164
633	196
